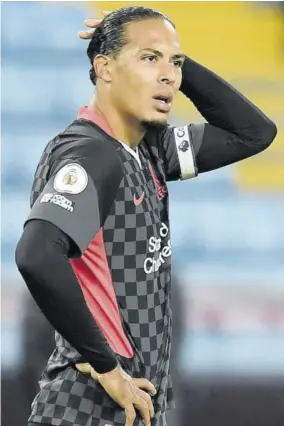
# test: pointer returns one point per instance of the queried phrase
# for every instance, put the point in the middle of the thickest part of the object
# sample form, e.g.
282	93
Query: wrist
113	370
107	374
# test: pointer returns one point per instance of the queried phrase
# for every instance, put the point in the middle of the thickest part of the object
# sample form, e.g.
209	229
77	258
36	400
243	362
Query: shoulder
83	138
86	144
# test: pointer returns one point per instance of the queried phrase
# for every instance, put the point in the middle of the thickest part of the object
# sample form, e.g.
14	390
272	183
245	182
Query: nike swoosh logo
138	201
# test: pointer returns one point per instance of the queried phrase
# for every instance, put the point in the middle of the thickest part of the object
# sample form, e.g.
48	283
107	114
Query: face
146	74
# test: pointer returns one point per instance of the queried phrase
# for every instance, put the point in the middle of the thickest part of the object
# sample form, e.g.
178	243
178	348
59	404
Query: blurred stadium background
227	226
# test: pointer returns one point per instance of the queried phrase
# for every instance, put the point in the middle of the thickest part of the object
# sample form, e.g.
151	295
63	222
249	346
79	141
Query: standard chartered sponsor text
155	243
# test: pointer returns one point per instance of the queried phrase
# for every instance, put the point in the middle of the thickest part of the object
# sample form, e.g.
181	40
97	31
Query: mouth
163	101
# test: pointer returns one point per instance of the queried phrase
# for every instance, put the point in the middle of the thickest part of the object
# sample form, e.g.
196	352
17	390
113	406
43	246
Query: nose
167	74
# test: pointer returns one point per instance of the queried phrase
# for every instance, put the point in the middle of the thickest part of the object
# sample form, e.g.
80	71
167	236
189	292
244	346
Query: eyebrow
158	53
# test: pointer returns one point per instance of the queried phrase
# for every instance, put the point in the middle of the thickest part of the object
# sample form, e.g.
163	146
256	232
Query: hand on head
91	23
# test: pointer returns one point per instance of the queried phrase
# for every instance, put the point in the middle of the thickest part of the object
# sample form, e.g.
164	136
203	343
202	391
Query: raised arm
235	128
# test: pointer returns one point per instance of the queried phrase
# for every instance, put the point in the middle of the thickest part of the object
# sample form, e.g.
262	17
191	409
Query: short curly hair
109	36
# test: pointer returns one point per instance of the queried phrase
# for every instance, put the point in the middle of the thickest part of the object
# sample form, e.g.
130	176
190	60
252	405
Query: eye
178	63
150	58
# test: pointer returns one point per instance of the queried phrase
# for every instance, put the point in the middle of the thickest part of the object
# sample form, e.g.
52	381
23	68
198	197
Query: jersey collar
92	115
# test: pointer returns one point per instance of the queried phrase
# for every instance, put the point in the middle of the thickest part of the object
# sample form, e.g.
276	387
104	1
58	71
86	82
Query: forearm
223	106
43	262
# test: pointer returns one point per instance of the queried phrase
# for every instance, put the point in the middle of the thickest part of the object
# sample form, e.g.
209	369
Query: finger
92	23
83	367
145	384
86	35
106	12
142	406
130	415
149	402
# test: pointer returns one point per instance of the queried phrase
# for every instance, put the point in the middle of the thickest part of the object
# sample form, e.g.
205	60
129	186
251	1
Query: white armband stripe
185	152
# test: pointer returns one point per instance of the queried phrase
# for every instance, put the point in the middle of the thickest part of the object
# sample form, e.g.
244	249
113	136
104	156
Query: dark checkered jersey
113	203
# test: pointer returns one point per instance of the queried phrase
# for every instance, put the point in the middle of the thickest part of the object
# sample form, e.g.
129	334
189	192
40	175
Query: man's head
136	62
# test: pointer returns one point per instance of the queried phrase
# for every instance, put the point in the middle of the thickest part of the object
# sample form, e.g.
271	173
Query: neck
123	128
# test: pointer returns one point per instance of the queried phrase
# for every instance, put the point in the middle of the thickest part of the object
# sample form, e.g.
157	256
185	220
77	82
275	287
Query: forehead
157	34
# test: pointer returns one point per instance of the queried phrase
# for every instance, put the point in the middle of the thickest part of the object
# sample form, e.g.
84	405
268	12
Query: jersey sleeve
180	146
198	148
80	190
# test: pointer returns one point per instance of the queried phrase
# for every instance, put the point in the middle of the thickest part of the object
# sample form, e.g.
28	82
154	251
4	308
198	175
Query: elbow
25	258
22	260
262	136
268	133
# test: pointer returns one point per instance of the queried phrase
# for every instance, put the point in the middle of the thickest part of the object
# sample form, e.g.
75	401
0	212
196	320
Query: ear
102	66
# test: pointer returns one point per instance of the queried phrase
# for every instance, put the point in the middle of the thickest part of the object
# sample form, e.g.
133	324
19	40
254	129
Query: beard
154	125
